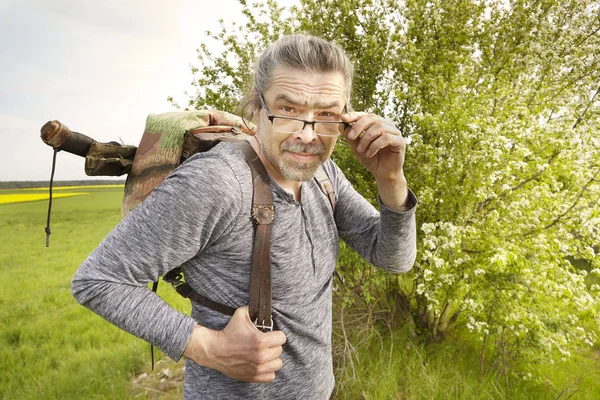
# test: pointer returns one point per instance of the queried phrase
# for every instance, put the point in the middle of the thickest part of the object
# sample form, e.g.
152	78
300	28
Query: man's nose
307	134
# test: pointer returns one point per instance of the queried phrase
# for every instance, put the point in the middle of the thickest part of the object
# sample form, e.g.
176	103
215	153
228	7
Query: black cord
154	289
152	355
50	198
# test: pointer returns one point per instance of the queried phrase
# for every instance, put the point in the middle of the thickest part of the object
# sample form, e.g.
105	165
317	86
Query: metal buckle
262	213
174	280
263	327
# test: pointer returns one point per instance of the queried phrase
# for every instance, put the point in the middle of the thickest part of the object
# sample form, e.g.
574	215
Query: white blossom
427	274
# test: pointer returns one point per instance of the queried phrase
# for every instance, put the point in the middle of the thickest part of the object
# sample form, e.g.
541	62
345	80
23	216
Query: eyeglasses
295	125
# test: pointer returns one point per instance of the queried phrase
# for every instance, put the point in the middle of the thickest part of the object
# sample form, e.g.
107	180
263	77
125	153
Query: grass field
52	348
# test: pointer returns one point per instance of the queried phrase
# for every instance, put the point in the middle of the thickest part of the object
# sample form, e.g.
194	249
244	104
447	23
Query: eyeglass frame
271	117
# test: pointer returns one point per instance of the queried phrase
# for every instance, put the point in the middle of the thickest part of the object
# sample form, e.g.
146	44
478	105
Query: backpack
168	140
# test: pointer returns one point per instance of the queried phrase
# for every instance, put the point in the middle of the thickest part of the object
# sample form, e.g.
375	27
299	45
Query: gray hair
303	52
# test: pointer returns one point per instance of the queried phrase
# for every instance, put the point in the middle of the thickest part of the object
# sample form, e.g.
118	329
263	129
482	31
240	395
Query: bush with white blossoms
507	252
500	101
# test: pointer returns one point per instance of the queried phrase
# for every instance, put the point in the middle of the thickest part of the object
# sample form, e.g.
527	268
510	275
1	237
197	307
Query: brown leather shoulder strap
260	274
262	216
175	278
186	291
325	184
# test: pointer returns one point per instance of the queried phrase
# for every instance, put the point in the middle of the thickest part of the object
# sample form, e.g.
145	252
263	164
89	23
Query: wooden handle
60	137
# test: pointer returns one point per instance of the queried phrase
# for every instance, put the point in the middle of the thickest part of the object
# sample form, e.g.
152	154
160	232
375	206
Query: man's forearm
196	348
394	193
156	322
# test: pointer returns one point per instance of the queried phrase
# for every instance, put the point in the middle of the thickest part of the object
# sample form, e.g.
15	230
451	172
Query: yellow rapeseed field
78	187
25	197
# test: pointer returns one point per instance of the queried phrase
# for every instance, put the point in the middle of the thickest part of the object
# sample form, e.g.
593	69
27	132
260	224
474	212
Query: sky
99	67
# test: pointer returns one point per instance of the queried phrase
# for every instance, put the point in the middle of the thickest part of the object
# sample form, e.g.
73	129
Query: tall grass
374	362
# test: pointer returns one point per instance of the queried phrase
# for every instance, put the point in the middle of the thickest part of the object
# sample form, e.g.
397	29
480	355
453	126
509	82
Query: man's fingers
266	371
270	339
359	121
264	378
392	142
268	355
359	127
374	131
367	122
275	338
275	352
245	353
272	366
353	116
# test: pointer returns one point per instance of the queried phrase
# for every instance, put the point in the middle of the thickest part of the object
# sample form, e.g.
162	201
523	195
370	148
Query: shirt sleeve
385	238
194	206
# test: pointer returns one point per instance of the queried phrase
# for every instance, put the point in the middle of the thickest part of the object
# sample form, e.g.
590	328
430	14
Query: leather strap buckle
262	214
262	327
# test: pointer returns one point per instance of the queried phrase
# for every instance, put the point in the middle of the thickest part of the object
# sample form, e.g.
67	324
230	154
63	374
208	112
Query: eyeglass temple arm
262	103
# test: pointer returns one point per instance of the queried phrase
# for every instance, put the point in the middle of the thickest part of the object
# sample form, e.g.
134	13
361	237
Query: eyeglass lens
295	126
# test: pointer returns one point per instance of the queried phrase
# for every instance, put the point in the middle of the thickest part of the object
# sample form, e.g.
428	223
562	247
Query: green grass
391	366
53	348
394	367
50	346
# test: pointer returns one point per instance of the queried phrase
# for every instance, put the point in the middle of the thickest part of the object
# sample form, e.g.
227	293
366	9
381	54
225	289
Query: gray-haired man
299	102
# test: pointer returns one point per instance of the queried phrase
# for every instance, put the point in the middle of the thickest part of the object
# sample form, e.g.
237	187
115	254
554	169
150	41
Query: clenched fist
239	351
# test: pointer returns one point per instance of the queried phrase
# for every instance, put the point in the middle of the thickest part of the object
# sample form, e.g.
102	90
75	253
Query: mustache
307	148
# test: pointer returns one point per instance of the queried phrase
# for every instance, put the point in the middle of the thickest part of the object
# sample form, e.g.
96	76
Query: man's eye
287	109
326	115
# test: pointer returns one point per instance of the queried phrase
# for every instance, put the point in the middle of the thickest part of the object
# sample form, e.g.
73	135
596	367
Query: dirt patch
165	382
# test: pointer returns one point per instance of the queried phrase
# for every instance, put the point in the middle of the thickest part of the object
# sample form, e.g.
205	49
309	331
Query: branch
546	69
579	119
568	388
561	216
583	189
587	37
592	68
485	338
566	50
555	153
550	161
539	84
469	251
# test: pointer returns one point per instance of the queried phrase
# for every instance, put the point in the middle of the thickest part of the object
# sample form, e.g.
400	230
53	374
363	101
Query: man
199	218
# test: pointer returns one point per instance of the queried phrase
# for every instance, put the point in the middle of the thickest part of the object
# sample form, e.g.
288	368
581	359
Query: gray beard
298	171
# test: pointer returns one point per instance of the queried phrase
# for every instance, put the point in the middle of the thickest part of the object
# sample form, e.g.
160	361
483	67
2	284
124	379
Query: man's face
311	96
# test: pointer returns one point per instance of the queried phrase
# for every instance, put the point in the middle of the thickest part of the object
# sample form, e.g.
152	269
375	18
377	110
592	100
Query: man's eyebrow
332	104
293	101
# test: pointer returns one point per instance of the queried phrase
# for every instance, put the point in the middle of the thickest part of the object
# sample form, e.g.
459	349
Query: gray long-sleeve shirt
199	218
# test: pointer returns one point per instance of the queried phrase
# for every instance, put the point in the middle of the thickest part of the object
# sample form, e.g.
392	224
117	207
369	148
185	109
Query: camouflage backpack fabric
169	139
